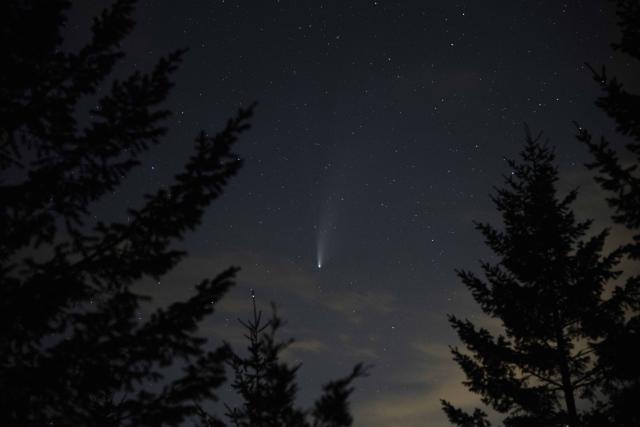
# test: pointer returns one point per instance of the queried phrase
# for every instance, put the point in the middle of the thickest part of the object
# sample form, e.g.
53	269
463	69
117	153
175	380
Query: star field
386	124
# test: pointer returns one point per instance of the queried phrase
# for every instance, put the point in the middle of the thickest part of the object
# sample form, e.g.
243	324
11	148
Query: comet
320	248
324	228
322	236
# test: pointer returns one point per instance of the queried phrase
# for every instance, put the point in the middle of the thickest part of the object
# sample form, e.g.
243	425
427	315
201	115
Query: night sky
382	127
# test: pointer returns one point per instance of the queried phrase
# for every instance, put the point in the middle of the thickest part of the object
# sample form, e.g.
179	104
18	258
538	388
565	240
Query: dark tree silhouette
618	174
72	349
268	389
266	385
546	289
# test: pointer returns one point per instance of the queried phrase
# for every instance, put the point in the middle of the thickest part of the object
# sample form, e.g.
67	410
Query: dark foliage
617	173
266	385
268	389
547	291
72	348
461	418
332	408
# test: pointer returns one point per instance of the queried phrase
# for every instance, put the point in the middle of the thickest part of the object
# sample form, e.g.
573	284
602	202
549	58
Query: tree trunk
567	386
569	398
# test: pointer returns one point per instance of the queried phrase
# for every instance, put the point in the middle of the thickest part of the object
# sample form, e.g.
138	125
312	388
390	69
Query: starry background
381	129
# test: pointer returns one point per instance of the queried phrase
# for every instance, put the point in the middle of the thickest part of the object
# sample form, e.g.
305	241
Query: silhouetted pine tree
268	389
620	352
546	290
72	349
332	408
265	384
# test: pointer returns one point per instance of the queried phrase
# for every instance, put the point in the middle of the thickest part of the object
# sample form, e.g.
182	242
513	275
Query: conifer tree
73	351
546	289
265	384
617	173
268	389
